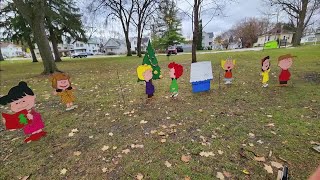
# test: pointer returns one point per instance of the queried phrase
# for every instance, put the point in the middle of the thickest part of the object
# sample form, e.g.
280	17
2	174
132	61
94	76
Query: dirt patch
313	77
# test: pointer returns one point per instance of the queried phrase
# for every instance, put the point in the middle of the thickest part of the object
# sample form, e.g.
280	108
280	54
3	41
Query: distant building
115	46
275	34
311	37
10	50
144	43
207	40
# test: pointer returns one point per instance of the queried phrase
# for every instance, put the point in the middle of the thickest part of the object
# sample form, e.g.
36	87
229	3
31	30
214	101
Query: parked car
171	50
179	49
80	55
89	53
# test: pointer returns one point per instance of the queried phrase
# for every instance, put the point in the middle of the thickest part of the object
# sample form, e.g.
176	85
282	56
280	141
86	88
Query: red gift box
13	121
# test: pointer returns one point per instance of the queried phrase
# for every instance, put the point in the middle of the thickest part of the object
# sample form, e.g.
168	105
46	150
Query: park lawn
112	101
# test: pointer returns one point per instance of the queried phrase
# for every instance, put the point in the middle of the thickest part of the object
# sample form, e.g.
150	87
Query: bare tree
122	10
1	56
300	13
145	11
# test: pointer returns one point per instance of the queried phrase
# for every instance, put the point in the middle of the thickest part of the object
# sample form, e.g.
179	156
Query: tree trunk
126	34
31	47
42	41
1	57
54	46
300	26
139	42
195	31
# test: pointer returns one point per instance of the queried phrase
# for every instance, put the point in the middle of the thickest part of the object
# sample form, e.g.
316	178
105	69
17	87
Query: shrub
111	53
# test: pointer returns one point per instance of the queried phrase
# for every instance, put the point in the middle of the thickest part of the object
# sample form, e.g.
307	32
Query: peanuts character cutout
176	70
265	68
22	101
145	73
62	85
285	62
228	65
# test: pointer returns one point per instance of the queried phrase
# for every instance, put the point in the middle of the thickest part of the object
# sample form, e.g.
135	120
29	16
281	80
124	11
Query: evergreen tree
150	59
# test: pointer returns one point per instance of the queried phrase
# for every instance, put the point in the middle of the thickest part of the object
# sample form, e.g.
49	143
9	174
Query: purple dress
149	88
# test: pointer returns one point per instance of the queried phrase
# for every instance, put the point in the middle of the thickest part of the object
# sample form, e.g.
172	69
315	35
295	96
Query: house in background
311	37
207	40
144	43
115	46
10	50
274	34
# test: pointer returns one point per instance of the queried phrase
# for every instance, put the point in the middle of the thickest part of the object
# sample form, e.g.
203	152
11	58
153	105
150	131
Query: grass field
112	104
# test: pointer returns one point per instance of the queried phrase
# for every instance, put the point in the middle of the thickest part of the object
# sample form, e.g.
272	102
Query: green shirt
174	86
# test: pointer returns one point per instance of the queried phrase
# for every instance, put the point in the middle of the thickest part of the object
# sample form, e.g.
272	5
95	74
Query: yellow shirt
265	76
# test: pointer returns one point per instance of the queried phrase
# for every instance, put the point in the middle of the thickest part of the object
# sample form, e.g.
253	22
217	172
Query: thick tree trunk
195	30
31	47
54	42
42	41
300	26
126	34
1	57
139	41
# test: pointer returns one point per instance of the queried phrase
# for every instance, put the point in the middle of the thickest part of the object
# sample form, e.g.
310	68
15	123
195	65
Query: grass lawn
218	121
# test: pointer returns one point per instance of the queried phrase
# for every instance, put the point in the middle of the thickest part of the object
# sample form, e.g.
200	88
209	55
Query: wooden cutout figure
22	101
265	68
228	65
285	62
144	73
176	71
62	85
150	59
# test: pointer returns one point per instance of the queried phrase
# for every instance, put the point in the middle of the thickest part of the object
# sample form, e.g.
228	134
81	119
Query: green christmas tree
150	59
23	119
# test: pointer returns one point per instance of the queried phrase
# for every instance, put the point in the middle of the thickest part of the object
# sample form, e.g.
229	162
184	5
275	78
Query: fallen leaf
246	172
163	140
260	159
114	147
111	134
168	117
269	116
167	164
187	178
220	152
227	174
185	158
153	131
270	153
200	110
25	177
206	154
270	125
161	133
77	153
126	151
251	144
261	142
63	171
139	176
74	130
276	164
268	168
104	148
90	137
251	135
220	176
104	169
71	134
143	122
136	146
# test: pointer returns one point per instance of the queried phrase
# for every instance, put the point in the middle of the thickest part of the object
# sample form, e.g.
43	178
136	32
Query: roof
210	35
201	71
113	42
6	44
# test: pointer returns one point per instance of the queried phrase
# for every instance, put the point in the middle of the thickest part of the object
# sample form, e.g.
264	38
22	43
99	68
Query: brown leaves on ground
276	165
76	153
167	164
268	168
139	176
206	154
220	176
63	171
185	158
260	159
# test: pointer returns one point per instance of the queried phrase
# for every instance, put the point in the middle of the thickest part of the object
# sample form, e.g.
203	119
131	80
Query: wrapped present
17	120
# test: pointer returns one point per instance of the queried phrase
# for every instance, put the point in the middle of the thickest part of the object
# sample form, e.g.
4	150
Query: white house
207	39
115	46
134	42
10	50
312	37
274	34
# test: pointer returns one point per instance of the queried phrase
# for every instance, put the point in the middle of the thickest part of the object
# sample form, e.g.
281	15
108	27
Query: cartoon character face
63	84
228	65
265	64
171	73
27	102
285	63
147	75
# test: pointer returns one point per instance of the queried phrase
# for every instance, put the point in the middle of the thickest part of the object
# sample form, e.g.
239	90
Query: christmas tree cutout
150	59
23	119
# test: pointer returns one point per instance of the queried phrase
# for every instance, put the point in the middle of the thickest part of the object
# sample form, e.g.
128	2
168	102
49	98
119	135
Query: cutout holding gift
228	65
200	76
62	85
285	62
22	101
176	71
265	68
